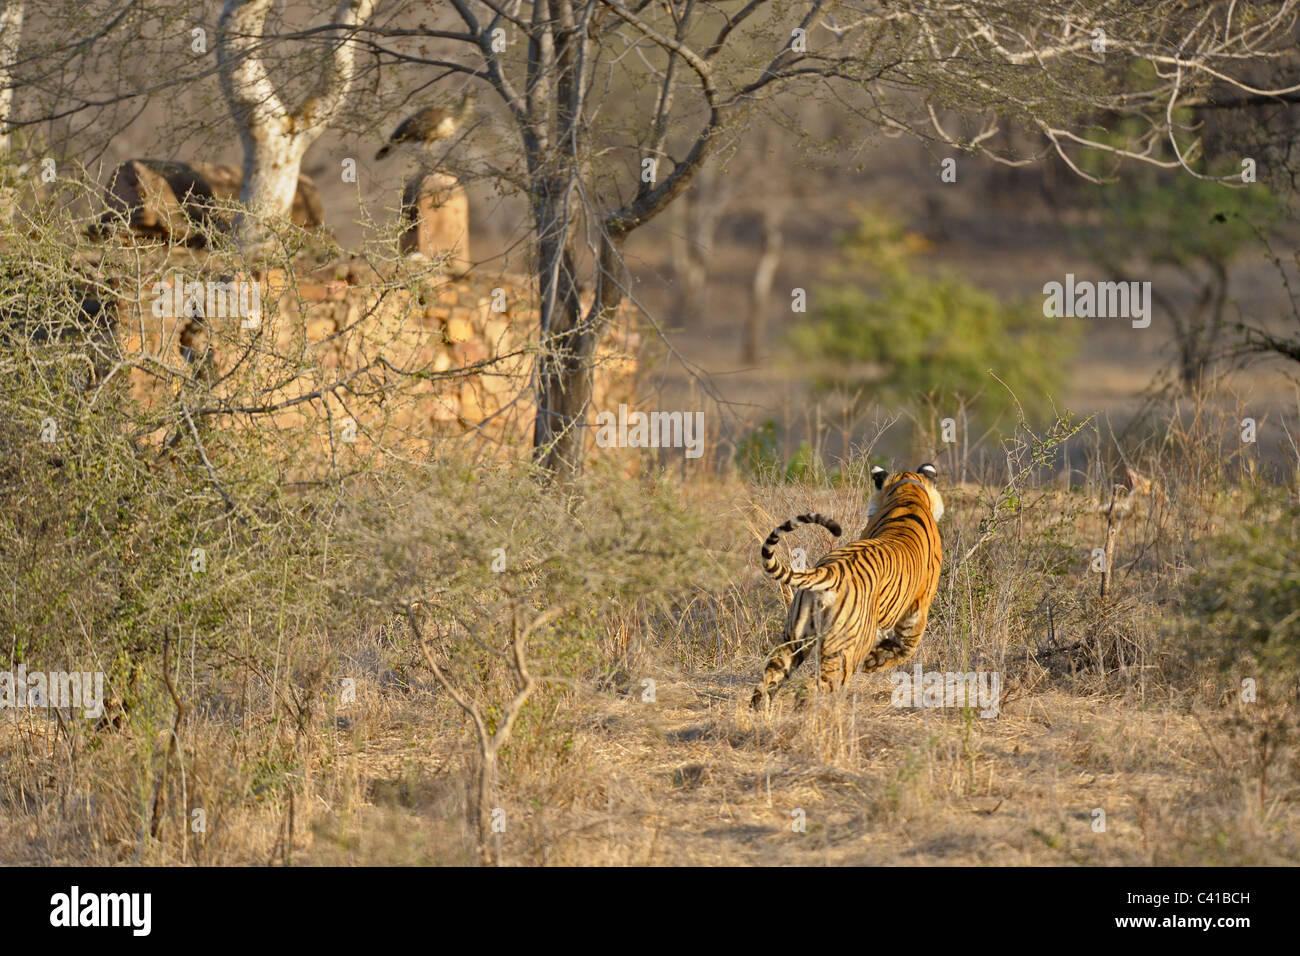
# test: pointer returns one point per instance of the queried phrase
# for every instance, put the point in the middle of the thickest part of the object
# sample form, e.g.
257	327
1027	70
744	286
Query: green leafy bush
1246	599
909	335
759	457
1151	216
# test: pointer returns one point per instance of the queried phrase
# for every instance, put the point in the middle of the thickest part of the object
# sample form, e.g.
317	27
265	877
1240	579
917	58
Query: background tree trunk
568	348
692	244
272	159
772	218
563	389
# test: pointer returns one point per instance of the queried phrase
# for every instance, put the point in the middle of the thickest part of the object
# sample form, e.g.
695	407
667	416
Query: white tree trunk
273	155
275	138
11	29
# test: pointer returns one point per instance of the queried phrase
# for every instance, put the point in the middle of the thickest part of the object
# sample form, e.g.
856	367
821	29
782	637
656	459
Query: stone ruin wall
393	354
390	345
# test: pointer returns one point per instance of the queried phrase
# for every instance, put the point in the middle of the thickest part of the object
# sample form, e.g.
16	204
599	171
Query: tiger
865	604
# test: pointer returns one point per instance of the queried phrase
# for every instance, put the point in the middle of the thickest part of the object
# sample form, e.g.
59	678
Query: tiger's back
864	604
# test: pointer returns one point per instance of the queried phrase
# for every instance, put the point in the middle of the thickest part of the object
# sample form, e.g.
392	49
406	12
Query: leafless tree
773	206
491	735
1279	338
11	28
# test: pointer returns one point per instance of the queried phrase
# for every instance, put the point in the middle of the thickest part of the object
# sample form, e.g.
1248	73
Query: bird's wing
419	126
403	130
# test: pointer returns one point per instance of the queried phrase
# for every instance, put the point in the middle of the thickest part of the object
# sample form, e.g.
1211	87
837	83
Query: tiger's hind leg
805	623
841	658
836	667
801	632
847	641
895	649
787	656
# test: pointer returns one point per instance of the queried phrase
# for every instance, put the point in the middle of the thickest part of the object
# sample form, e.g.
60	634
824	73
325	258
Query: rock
496	382
494	331
156	197
470	353
394	358
313	292
446	408
181	201
472	410
458	330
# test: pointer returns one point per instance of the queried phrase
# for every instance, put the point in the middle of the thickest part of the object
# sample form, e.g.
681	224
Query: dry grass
1102	709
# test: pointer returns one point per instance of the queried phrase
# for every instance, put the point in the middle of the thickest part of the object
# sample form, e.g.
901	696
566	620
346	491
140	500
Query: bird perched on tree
429	125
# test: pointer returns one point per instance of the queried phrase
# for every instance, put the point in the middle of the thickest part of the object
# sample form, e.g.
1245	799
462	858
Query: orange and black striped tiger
865	604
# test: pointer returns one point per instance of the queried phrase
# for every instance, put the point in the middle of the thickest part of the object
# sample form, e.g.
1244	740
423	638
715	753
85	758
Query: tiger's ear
929	471
878	476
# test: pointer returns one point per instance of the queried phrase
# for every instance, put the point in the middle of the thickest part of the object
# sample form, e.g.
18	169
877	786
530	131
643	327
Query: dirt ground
694	778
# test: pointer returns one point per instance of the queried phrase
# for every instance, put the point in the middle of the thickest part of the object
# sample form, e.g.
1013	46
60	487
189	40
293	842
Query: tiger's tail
816	579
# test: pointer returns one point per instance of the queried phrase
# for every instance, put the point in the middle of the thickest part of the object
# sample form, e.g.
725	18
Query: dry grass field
303	461
1121	734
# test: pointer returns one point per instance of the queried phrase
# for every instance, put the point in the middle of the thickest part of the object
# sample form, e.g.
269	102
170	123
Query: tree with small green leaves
1199	226
904	335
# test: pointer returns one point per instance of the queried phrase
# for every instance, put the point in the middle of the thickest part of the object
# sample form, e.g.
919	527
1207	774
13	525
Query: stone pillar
435	210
